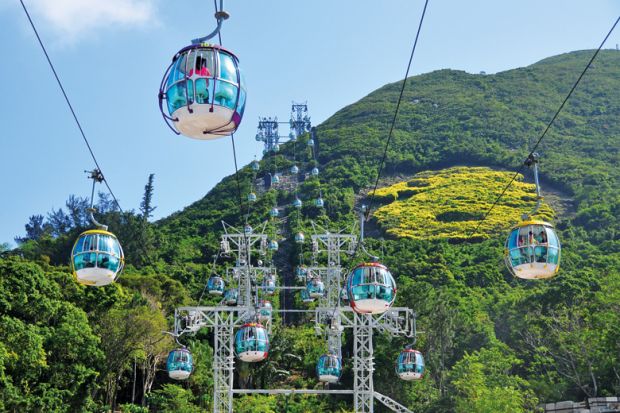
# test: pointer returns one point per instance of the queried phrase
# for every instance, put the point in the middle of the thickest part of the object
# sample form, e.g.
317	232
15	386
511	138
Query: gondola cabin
315	288
300	273
315	172
305	296
231	296
180	364
274	213
202	94
255	166
532	250
297	203
371	288
97	258
329	368
251	197
294	170
410	365
273	245
215	285
251	343
300	238
269	285
265	310
319	203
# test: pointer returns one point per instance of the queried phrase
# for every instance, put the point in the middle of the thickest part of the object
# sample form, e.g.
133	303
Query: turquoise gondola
329	368
252	343
410	364
180	364
371	288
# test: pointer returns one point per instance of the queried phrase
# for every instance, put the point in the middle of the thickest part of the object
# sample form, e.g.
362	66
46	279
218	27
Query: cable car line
64	93
400	97
533	150
232	135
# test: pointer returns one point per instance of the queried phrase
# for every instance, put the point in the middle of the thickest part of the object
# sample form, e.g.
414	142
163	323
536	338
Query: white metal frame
329	315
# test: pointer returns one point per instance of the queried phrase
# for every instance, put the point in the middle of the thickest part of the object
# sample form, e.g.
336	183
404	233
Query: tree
128	332
483	383
35	229
77	208
106	203
173	399
146	206
59	222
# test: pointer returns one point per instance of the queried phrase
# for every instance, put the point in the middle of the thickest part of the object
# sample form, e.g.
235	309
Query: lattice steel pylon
300	121
244	245
268	133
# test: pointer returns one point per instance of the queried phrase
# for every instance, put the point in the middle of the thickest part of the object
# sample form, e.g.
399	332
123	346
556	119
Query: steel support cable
400	97
387	144
232	135
546	129
64	93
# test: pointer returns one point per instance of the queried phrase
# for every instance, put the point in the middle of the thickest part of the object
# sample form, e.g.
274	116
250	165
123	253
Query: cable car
274	212
310	142
344	296
297	203
300	273
269	284
265	309
315	288
315	171
97	258
305	296
247	230
202	94
273	245
255	166
291	136
300	238
329	368
371	288
294	169
230	296
252	343
251	197
275	179
180	364
215	285
532	250
319	202
410	364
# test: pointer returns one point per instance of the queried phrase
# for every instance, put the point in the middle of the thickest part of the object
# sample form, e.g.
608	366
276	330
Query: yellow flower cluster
450	203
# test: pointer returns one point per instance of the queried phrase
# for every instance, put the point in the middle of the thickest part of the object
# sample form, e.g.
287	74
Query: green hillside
492	343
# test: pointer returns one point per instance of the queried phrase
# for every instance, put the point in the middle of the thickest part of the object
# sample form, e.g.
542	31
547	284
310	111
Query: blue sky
111	54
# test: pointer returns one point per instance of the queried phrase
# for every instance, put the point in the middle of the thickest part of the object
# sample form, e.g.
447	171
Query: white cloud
71	19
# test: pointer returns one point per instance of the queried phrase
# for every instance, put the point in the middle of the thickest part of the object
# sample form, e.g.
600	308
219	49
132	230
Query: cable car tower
300	121
246	246
396	321
268	134
267	131
331	317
